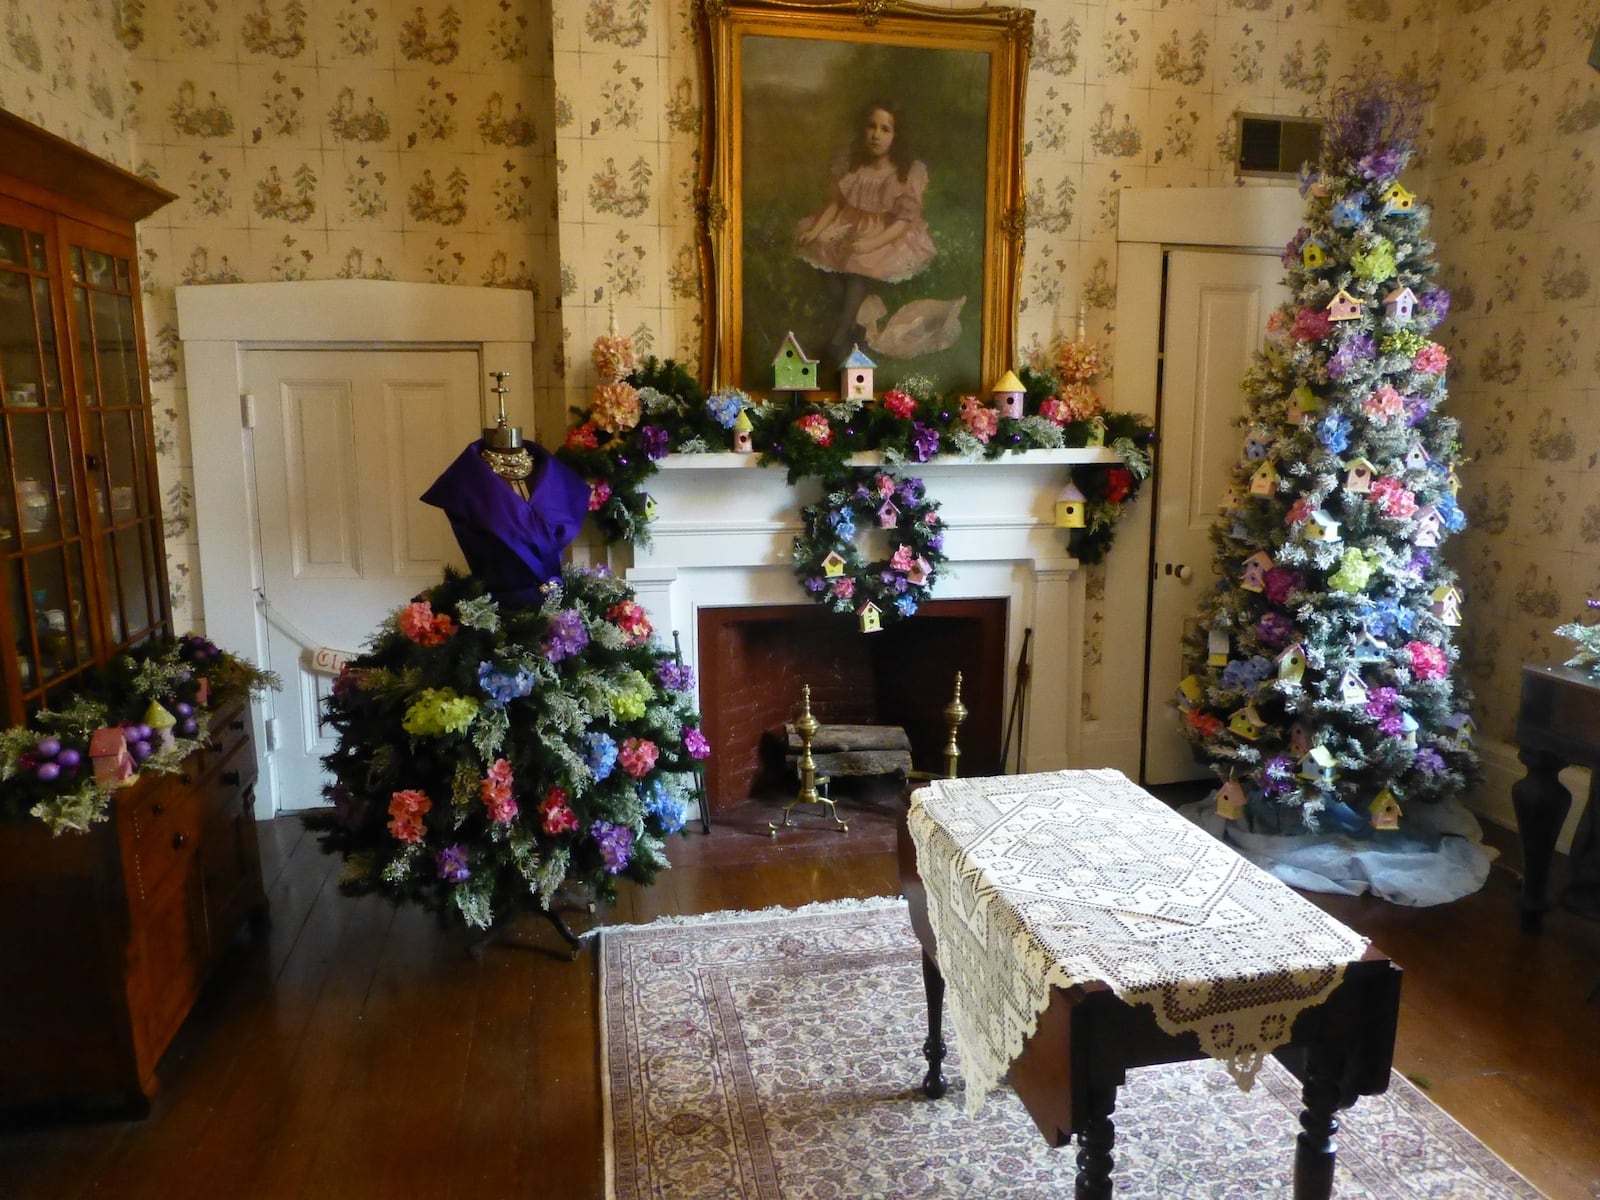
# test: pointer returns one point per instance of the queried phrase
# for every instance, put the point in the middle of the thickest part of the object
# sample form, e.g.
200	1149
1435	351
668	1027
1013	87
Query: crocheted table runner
1061	878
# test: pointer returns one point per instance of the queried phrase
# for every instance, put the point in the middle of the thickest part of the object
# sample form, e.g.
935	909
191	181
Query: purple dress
513	545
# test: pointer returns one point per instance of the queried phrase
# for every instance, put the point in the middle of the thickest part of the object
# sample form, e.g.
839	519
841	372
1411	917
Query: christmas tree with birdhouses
1329	698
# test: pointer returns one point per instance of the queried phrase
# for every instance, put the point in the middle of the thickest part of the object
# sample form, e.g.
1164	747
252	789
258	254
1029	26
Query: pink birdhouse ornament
1344	307
1007	395
108	750
1385	810
919	572
1358	476
1299	739
1428	522
888	515
1399	304
1255	570
1230	800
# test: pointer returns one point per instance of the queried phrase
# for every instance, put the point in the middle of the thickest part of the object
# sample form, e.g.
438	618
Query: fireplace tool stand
813	787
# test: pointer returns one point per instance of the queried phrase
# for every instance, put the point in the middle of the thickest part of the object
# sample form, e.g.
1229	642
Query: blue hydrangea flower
1450	513
502	688
1333	431
726	405
906	606
660	803
1237	677
600	754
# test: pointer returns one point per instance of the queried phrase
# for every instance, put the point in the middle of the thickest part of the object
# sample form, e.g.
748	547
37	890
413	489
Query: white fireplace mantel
724	534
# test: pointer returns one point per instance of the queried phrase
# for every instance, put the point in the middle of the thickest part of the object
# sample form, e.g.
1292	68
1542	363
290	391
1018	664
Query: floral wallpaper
1513	157
554	147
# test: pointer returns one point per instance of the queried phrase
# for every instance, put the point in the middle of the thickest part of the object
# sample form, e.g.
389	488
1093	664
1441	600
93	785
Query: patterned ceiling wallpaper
516	143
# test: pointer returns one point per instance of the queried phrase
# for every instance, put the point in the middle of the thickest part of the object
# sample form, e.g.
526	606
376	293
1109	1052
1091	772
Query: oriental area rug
778	1056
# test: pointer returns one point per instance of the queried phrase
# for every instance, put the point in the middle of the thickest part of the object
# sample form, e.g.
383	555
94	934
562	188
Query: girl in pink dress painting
872	228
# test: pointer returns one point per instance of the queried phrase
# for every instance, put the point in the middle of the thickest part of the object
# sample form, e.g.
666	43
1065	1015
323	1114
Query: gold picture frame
807	224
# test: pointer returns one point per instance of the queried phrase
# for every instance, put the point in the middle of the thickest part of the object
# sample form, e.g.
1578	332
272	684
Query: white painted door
345	443
1217	303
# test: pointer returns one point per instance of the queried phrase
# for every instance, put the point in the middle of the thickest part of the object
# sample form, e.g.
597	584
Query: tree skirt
778	1054
1438	856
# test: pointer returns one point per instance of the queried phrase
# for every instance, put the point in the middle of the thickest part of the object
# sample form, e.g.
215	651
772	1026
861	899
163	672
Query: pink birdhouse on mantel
1230	800
1255	570
855	375
1399	304
108	750
1344	307
870	617
888	515
1007	395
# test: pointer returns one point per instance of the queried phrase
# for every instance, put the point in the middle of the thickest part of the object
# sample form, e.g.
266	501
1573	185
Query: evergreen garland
1331	699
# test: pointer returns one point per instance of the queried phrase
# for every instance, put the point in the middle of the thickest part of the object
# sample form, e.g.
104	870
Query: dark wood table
1087	1040
1558	726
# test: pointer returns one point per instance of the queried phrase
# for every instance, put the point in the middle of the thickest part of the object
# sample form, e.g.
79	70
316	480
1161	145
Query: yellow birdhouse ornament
1072	508
1385	810
1230	800
870	616
833	565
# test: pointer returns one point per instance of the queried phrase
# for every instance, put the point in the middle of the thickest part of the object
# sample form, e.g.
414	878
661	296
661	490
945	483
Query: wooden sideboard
107	936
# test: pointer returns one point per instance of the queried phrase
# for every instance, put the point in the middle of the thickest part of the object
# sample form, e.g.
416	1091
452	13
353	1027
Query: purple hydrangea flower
909	491
653	441
452	862
1421	562
1417	407
1275	629
1383	164
1355	352
675	676
600	754
566	635
1278	777
616	845
936	541
1434	305
1391	724
695	744
815	584
1429	762
925	441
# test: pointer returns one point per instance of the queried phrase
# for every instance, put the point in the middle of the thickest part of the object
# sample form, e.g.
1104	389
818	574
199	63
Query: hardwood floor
360	1051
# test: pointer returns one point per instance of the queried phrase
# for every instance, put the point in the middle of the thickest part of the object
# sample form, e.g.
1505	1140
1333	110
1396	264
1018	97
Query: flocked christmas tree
1330	697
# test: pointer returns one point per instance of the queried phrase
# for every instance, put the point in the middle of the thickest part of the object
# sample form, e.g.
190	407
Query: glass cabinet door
42	552
120	473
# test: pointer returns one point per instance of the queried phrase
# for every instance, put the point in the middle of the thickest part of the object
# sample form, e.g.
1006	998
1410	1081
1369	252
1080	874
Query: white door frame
219	324
1150	221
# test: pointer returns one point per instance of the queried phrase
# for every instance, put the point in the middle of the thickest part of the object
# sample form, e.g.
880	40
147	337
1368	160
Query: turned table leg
1095	1141
1541	802
933	1084
1315	1149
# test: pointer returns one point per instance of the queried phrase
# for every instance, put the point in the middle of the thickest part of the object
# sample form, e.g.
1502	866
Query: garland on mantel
643	411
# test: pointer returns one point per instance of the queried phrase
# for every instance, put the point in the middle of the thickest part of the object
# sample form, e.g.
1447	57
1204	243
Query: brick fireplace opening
754	660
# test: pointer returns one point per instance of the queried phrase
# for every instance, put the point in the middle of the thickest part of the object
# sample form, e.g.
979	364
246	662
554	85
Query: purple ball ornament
188	727
130	734
140	750
48	747
47	772
68	759
183	709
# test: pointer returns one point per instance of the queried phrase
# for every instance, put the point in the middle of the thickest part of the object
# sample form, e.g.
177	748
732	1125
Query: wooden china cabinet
105	936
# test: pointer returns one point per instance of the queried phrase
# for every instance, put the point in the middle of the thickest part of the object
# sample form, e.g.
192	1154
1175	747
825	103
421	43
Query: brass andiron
806	727
954	713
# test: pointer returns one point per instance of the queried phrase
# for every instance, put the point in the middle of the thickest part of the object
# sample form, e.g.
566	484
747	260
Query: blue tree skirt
1438	855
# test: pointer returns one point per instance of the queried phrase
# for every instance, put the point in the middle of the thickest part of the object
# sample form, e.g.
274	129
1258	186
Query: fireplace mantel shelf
727	460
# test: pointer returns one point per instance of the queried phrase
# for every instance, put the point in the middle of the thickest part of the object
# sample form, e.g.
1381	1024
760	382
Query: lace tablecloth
1050	880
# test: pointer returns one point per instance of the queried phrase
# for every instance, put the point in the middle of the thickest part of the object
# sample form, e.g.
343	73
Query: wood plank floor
359	1051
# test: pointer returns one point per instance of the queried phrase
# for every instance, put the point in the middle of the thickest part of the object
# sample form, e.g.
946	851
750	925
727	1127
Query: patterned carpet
777	1056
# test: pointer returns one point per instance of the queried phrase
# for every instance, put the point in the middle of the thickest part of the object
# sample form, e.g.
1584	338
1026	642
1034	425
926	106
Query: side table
1558	726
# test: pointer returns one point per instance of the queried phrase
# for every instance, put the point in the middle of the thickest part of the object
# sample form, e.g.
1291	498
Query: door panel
345	443
1216	313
